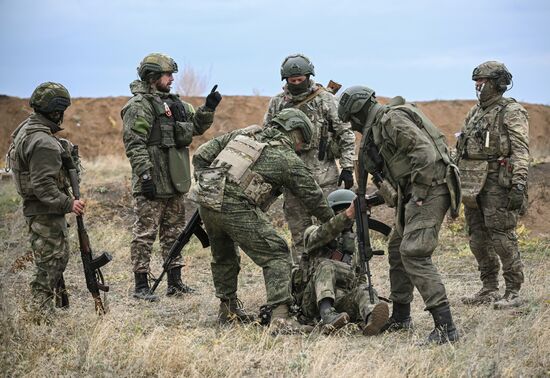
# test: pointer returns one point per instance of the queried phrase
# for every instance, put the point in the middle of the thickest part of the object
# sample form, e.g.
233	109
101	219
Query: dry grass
179	337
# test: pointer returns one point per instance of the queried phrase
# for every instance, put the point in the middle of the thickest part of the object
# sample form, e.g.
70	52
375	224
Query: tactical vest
484	147
167	132
401	163
20	168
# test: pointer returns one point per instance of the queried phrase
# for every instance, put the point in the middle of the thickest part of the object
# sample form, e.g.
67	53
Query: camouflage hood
141	87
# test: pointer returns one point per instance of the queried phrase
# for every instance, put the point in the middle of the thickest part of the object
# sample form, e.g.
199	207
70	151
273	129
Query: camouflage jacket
278	165
411	160
140	113
507	125
320	237
35	159
322	110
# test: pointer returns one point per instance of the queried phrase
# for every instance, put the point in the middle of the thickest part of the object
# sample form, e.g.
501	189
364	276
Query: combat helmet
156	63
353	99
290	119
340	199
296	65
50	97
495	71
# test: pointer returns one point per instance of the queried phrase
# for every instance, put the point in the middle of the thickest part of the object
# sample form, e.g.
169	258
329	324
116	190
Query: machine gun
92	272
192	227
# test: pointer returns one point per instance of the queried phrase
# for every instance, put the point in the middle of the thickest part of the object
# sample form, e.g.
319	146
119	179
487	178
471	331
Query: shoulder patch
141	126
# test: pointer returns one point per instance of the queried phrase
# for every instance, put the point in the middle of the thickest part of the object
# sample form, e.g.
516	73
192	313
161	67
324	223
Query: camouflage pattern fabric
412	161
243	223
140	113
321	110
164	216
330	278
490	225
48	238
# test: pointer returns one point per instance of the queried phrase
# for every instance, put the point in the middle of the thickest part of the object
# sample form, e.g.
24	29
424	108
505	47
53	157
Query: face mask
296	89
486	91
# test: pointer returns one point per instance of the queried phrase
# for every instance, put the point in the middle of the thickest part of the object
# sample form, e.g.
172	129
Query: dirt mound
95	124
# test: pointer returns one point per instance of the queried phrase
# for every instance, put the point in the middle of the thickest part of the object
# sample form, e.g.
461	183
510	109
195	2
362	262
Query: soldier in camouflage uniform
493	157
238	175
36	158
331	139
158	128
333	290
408	158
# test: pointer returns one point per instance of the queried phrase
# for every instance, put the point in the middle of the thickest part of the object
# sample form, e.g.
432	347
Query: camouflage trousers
297	215
250	229
48	238
410	249
337	280
165	217
492	237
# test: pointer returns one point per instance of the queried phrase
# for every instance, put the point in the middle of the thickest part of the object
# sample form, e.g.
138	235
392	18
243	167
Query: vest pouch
473	174
167	133
452	177
257	190
183	134
179	167
22	184
505	173
208	189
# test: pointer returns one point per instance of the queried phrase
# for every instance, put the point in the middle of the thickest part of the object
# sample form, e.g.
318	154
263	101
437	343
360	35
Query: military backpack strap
501	114
314	94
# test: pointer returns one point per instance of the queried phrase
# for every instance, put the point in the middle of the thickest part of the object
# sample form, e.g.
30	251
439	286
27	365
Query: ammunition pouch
505	172
208	188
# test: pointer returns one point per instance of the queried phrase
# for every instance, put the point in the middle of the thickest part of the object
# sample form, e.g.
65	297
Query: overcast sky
421	49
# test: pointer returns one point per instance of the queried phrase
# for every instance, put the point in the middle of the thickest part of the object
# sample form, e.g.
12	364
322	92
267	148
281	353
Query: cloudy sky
422	49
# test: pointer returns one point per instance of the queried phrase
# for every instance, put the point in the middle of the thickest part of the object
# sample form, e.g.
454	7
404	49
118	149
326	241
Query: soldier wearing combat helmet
39	161
493	157
331	139
158	128
238	175
409	161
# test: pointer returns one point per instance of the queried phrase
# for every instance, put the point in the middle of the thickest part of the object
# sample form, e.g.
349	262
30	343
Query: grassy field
180	337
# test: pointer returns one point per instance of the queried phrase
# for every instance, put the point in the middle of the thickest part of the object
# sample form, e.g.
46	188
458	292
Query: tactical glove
346	176
213	99
148	187
515	197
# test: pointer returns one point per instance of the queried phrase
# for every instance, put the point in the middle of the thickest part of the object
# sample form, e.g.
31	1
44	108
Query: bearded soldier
331	139
158	128
493	157
409	161
38	161
238	175
332	289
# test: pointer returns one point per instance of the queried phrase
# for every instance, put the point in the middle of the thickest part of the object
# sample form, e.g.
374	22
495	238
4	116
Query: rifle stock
193	227
92	273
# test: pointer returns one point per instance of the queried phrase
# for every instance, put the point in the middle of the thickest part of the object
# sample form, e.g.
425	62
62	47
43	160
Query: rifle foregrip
73	177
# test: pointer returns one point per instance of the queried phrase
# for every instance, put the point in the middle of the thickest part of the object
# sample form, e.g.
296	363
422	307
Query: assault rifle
192	227
363	221
92	272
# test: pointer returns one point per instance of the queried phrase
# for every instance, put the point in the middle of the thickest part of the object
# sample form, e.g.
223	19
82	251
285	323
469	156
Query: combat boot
510	299
332	320
400	318
142	288
283	323
232	310
484	295
377	319
444	330
176	285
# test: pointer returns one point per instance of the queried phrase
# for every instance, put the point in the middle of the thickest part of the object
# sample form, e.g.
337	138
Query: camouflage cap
156	63
493	70
340	197
353	99
296	65
50	97
290	119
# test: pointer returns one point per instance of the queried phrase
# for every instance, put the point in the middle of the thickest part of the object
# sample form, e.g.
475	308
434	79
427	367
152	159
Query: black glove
346	176
148	187
213	99
515	197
